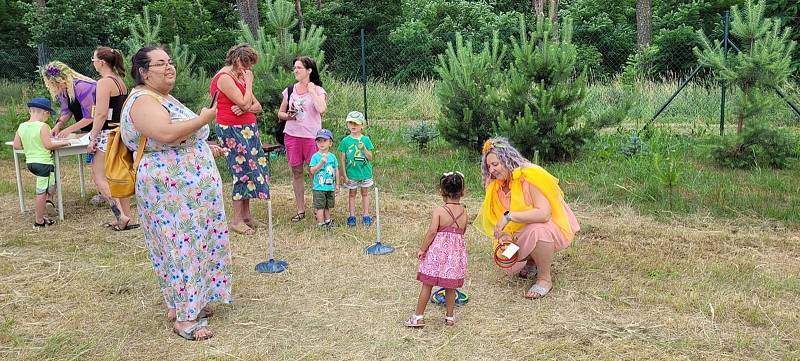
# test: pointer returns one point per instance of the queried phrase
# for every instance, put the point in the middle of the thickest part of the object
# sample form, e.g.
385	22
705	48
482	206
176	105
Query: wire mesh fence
403	59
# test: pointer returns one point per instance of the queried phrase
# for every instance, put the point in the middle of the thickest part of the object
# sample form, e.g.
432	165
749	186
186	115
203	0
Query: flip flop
241	228
537	289
127	227
190	333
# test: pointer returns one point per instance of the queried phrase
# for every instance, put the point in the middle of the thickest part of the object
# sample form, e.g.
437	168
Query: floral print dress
179	198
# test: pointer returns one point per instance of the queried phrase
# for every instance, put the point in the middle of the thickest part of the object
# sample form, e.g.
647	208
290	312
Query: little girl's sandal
415	321
450	320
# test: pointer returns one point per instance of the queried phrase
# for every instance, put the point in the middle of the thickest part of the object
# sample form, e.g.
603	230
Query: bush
421	134
756	147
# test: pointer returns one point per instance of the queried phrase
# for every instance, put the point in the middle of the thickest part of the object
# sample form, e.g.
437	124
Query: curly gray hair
508	156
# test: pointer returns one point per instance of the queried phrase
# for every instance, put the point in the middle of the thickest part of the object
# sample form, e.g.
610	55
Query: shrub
755	147
421	134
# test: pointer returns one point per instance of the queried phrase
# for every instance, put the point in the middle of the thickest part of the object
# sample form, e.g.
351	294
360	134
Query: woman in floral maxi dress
179	195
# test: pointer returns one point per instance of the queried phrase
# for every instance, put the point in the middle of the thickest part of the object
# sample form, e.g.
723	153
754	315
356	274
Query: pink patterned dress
445	262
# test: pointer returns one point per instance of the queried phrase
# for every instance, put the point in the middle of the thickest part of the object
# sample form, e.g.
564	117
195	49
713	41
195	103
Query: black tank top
115	107
76	109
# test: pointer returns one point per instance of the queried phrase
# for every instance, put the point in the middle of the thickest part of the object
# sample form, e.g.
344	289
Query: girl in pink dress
443	253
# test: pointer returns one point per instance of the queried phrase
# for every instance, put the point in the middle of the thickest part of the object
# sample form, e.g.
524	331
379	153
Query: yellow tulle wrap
492	208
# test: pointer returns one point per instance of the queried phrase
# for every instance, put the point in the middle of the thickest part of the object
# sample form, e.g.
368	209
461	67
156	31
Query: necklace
457	204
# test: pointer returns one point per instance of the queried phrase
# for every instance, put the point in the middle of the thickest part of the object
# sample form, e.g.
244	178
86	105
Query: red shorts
299	150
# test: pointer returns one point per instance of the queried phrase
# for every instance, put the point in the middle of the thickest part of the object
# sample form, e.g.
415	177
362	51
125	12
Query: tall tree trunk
248	10
538	7
41	49
644	28
299	8
554	12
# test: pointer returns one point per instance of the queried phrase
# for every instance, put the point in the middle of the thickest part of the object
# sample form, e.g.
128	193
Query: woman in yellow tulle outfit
524	204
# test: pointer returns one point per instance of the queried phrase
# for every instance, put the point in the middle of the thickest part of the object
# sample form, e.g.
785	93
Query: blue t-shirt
325	178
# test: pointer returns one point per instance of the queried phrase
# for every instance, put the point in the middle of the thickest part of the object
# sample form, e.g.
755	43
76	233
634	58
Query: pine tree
763	63
467	91
543	94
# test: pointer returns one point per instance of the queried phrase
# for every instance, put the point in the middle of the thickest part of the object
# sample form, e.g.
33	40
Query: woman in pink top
237	130
302	112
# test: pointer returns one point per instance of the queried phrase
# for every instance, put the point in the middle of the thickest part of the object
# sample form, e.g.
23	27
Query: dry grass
629	288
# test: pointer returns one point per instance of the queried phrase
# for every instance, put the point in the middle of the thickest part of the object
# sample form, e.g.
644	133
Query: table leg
80	172
19	183
58	187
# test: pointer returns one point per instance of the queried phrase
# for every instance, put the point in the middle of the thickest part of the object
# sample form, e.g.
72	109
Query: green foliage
640	65
606	28
756	147
69	23
667	172
764	61
198	27
543	94
421	134
277	51
191	83
634	146
469	82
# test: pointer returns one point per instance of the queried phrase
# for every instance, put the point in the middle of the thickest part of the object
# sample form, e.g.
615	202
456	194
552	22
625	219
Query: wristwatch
506	216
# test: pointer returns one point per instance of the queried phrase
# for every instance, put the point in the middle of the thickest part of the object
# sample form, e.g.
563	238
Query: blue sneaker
351	221
367	220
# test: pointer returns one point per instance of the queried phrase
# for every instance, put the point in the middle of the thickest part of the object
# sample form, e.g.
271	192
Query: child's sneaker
351	221
367	220
330	223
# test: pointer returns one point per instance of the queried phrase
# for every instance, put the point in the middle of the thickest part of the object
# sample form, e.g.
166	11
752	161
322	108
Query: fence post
725	41
364	74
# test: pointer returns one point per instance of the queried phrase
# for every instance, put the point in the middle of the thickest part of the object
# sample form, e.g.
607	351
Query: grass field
709	270
630	287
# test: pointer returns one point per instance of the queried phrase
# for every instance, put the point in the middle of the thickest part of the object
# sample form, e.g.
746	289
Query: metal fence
404	60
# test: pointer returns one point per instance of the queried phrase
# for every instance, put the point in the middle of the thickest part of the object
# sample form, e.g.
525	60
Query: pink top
308	119
225	115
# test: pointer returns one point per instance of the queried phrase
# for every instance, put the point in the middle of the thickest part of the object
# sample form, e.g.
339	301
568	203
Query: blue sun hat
42	103
324	134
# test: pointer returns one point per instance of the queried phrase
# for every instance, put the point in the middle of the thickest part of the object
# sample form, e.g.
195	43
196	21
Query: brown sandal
242	228
299	216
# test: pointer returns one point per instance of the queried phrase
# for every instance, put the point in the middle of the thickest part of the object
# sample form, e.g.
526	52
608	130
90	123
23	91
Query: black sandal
299	216
45	222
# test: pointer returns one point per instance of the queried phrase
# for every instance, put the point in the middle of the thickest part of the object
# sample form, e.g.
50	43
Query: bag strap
142	138
139	152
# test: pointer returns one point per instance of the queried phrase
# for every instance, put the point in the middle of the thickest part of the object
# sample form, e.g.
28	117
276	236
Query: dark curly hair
451	184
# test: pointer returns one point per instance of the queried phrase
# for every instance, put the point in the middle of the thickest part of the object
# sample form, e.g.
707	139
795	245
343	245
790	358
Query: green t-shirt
35	152
356	164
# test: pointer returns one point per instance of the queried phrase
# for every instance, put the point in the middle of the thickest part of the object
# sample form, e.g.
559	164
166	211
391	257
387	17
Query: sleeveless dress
246	160
445	262
179	197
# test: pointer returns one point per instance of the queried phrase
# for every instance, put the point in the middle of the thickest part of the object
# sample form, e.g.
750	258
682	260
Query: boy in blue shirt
325	182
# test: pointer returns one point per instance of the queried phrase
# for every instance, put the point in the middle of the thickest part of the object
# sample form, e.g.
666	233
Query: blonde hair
56	72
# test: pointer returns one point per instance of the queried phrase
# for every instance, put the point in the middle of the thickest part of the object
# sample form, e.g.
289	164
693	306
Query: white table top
74	146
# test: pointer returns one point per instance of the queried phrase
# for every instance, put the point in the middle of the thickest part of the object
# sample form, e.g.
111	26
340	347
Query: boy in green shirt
34	137
356	156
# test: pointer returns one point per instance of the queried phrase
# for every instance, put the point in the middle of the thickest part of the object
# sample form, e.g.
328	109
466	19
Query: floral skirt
246	161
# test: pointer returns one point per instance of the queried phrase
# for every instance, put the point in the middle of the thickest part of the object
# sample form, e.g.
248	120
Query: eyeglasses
170	62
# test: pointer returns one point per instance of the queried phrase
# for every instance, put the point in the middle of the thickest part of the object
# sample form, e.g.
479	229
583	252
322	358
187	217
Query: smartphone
214	99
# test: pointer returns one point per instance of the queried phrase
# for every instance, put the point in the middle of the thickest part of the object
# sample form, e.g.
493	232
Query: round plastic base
379	249
272	266
438	297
